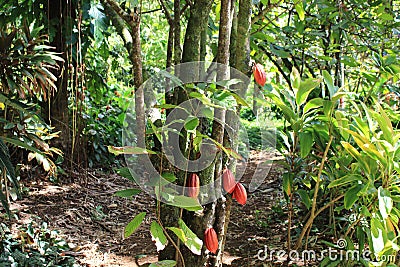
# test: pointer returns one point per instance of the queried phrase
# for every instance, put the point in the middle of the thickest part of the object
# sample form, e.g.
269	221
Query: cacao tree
184	226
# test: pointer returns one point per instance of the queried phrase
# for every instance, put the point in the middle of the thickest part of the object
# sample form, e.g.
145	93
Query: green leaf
134	224
205	100
127	192
189	238
21	144
377	236
386	17
170	177
385	202
305	89
124	172
164	263
300	9
193	242
165	179
343	124
305	198
239	99
329	82
157	235
384	123
188	203
129	150
295	78
345	180
306	143
350	197
287	110
287	183
191	123
313	104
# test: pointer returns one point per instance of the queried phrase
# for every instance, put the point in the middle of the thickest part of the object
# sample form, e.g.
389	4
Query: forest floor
92	220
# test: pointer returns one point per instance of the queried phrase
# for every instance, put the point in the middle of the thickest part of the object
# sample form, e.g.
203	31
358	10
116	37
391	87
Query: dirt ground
92	220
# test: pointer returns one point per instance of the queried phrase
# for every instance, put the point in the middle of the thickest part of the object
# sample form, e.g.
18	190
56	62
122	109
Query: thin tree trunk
177	32
136	59
219	124
55	109
242	62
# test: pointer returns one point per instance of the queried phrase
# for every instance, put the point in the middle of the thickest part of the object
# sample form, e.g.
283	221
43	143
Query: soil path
92	220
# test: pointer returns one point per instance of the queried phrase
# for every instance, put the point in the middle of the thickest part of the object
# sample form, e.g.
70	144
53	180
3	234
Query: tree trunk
55	109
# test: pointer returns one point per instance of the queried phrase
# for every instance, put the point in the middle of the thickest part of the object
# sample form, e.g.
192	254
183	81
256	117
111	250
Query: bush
33	246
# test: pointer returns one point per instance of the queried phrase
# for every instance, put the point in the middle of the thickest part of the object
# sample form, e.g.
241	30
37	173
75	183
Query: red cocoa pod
211	240
259	74
240	194
193	185
228	180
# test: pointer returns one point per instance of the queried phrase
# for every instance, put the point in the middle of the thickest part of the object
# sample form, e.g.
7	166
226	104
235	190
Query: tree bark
242	62
55	109
199	13
177	32
219	124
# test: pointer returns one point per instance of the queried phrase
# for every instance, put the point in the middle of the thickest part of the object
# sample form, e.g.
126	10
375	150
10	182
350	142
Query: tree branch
128	18
166	12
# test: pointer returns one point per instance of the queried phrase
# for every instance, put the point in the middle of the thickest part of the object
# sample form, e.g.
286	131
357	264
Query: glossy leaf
190	239
158	236
305	88
133	225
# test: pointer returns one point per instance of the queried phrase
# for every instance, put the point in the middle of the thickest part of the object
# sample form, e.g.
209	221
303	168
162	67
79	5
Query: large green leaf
300	9
158	236
287	110
305	88
191	123
287	183
188	203
190	239
305	198
345	180
133	225
306	143
313	104
385	202
329	83
350	197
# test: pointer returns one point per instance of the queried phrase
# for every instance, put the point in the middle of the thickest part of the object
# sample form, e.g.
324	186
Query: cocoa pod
228	181
211	240
259	74
193	185
240	194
